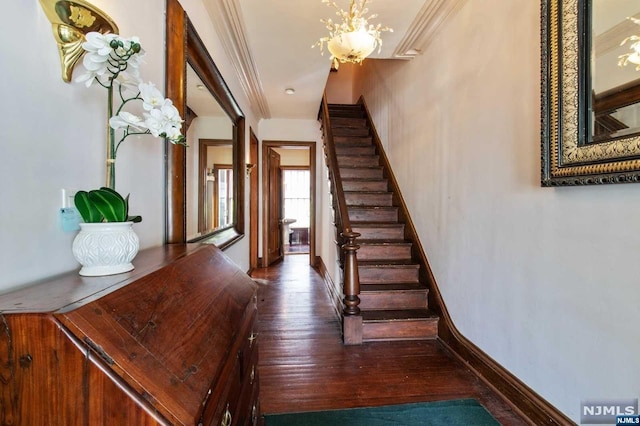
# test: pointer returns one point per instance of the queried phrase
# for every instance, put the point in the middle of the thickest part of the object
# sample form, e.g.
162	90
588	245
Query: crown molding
429	19
227	18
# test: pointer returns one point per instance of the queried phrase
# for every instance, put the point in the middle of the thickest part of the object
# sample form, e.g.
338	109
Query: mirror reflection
614	73
210	168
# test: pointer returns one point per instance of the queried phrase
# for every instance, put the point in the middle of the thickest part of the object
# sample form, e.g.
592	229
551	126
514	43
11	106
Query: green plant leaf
134	219
87	209
126	207
110	204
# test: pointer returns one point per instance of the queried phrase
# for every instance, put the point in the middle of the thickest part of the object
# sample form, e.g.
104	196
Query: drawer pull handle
253	337
226	418
253	375
254	414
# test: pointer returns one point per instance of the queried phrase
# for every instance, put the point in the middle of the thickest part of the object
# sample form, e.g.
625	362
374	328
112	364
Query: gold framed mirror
590	113
205	185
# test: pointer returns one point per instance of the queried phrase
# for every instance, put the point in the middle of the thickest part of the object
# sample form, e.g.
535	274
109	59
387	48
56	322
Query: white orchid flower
99	43
128	81
114	62
173	134
164	122
151	96
126	119
171	114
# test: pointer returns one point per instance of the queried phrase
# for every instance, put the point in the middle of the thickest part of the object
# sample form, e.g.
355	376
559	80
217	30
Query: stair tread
350	179
371	242
366	288
405	263
383	315
377	224
358	206
368	192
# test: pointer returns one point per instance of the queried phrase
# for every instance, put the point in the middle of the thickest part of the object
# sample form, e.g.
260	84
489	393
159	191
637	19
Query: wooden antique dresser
172	342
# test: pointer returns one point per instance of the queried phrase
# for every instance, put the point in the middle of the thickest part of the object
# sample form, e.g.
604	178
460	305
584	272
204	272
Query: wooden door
274	209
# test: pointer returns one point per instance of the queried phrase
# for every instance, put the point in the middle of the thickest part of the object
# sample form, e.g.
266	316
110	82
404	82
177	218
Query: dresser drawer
248	409
230	402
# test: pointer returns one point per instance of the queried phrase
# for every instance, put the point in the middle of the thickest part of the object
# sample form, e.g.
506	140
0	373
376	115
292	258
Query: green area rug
463	412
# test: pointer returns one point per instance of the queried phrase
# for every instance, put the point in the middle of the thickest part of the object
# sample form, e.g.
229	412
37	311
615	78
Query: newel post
352	320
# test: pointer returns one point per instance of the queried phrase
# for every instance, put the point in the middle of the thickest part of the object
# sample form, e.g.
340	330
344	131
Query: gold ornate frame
566	159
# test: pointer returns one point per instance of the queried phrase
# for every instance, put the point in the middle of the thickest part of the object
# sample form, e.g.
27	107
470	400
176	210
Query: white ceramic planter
105	248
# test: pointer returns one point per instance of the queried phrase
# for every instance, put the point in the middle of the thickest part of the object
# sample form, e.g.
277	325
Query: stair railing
352	320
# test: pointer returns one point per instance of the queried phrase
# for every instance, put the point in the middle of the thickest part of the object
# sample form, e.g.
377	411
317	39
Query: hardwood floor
304	366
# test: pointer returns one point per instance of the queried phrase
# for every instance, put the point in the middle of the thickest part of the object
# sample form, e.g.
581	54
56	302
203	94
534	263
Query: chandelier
634	56
354	38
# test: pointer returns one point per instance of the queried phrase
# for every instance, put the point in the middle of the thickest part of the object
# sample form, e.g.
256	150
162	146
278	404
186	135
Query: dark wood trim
253	201
523	399
335	291
312	176
184	44
175	163
618	97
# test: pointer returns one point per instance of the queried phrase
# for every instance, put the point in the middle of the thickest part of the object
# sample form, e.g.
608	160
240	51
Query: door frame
253	201
266	145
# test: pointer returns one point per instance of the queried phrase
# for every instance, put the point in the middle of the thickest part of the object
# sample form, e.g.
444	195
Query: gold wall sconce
250	168
71	21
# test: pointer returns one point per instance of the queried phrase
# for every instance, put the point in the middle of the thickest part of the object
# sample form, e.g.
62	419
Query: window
297	197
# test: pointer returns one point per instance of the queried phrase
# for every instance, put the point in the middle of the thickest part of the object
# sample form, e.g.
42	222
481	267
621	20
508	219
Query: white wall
53	137
542	279
339	88
293	157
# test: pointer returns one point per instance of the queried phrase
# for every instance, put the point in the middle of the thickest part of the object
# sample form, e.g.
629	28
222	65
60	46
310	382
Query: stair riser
348	141
381	275
373	215
347	122
386	252
393	300
346	114
358	160
384	199
374	185
400	330
356	112
357	150
396	233
360	173
350	131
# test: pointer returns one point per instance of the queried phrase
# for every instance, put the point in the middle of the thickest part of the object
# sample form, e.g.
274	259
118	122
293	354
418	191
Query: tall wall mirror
205	181
591	92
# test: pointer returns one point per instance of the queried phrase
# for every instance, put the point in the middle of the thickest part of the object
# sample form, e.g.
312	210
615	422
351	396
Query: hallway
304	366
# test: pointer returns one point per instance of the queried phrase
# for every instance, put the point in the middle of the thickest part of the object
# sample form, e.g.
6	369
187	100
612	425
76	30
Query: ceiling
270	43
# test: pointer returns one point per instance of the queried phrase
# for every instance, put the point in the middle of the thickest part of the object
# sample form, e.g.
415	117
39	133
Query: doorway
296	209
284	195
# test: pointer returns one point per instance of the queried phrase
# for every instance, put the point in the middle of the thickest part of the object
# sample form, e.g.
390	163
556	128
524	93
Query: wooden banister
345	236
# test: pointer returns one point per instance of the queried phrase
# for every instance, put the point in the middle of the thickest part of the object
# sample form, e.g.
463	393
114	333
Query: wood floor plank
304	366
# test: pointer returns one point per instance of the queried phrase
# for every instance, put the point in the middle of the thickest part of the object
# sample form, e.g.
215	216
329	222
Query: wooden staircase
393	297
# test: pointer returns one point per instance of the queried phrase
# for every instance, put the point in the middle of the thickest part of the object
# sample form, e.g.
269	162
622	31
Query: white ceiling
271	41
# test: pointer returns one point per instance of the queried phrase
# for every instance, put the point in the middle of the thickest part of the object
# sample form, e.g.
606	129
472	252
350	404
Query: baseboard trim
522	399
336	297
